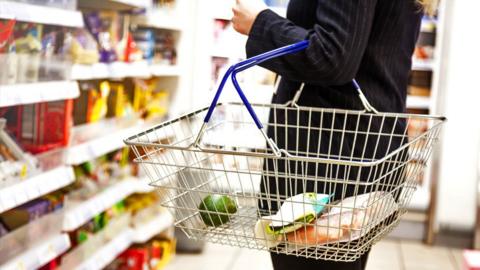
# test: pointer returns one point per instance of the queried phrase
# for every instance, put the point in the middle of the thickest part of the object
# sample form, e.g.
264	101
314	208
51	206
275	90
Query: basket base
239	232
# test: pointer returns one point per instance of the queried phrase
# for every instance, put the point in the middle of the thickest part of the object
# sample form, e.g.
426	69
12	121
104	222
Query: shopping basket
310	182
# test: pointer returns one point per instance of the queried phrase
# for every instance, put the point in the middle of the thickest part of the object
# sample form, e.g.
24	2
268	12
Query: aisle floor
388	254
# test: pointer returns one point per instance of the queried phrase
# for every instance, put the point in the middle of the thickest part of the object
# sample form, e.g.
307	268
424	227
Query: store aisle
388	254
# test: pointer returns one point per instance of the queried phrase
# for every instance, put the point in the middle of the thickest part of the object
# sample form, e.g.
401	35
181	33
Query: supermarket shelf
18	94
418	102
159	19
96	139
119	70
164	70
423	65
34	187
34	244
118	5
145	232
108	252
78	213
40	14
40	254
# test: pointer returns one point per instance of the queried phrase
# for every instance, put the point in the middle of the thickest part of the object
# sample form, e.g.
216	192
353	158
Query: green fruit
214	209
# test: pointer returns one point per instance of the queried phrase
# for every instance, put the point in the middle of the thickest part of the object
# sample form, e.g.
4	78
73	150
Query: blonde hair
429	6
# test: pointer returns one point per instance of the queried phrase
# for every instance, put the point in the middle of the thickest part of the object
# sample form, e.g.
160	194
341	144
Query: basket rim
440	120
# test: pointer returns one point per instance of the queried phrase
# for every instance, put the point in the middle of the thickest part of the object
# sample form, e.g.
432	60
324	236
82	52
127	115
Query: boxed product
42	126
24	214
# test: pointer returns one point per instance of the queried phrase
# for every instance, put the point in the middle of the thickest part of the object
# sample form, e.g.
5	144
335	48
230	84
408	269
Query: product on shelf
119	104
154	254
419	91
96	224
29	212
33	52
8	60
42	126
82	47
149	102
420	78
92	105
104	26
14	163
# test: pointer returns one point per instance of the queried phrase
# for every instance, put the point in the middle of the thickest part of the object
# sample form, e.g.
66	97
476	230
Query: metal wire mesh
367	163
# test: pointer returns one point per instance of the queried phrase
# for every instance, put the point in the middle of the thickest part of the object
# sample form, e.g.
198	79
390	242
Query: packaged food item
346	221
28	46
14	163
24	214
42	126
8	58
82	47
104	27
296	211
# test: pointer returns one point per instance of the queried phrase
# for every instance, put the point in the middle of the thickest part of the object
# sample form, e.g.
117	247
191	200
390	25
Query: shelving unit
90	141
40	14
146	231
79	212
21	192
40	254
35	244
28	93
107	253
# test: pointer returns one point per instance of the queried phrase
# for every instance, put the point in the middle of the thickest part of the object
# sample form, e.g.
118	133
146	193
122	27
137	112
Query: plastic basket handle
253	61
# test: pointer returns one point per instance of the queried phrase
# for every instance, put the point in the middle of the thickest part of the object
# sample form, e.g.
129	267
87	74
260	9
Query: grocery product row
34	52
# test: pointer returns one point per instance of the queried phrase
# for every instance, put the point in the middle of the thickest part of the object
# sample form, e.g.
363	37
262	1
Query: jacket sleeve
337	41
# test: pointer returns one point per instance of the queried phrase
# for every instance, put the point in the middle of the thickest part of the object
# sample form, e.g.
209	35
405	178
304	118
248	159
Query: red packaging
43	126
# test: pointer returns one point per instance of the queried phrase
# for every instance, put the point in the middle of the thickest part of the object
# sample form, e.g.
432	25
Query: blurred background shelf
117	5
23	191
122	70
79	212
40	14
35	244
418	102
146	231
28	93
39	254
423	64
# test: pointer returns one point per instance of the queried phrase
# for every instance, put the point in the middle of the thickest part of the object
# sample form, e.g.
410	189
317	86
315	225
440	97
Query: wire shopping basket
304	181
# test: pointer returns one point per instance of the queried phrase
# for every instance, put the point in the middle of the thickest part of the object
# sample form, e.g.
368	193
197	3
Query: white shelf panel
94	140
161	19
118	5
145	232
418	102
78	213
40	254
120	70
34	187
423	65
18	94
40	14
164	70
108	252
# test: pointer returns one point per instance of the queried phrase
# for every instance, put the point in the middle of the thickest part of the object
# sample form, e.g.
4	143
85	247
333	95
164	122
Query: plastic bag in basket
346	221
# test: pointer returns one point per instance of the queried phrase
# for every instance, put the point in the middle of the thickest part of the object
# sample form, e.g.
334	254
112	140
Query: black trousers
286	262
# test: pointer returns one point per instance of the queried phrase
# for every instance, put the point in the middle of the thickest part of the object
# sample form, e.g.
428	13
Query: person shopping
371	41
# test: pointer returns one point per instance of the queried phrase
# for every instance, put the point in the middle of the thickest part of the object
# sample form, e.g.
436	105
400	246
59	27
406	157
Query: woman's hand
244	14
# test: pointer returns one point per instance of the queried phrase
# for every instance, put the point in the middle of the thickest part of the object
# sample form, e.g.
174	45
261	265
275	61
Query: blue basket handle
241	66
